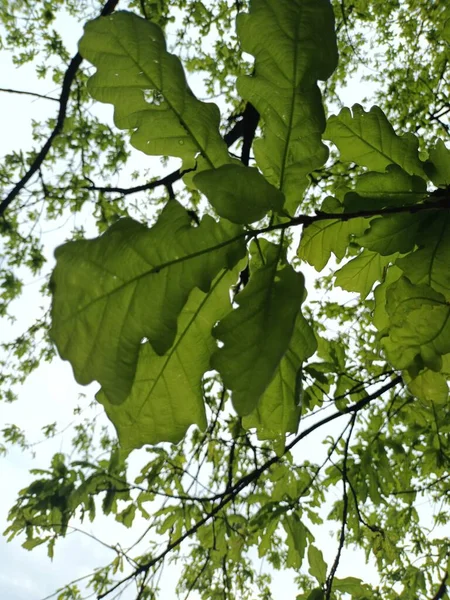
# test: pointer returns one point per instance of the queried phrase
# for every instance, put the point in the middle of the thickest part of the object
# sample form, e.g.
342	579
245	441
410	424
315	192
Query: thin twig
330	578
237	131
248	479
69	77
199	574
22	92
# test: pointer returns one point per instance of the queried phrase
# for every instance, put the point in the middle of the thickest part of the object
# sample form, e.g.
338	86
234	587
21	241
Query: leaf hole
153	97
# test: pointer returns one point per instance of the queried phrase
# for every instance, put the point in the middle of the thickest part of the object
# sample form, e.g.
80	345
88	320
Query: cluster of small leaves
403	47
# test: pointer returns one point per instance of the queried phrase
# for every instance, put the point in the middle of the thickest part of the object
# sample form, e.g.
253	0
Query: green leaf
393	233
130	284
446	31
322	238
166	397
380	190
267	537
316	594
257	334
360	273
430	263
279	410
429	386
317	565
419	325
438	165
380	316
31	543
126	516
296	540
294	45
353	586
239	194
369	140
148	89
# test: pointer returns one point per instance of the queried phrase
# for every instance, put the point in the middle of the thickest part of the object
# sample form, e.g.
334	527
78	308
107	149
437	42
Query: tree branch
43	96
69	76
248	479
166	181
442	203
246	128
330	578
442	588
305	220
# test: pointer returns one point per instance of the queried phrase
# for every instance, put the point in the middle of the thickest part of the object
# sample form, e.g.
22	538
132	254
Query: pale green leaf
294	45
239	194
267	538
429	386
166	397
257	334
148	88
369	140
31	543
380	315
353	586
296	540
322	238
360	273
129	285
126	516
317	565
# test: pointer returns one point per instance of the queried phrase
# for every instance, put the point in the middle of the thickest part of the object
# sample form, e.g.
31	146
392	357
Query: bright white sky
50	394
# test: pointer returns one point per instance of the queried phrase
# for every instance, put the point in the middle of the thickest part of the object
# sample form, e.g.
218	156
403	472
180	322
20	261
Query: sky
50	394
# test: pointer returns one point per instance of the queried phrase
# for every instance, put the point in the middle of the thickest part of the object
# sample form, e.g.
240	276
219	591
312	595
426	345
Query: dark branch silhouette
22	92
69	77
442	588
330	578
244	128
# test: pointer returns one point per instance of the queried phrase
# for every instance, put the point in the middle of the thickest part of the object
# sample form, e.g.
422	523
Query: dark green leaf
257	334
239	194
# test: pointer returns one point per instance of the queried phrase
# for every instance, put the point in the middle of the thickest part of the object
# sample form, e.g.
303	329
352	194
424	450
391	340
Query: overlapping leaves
112	293
135	309
294	45
167	395
256	335
411	312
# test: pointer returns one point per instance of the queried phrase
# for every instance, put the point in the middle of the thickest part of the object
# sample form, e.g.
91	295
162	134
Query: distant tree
191	308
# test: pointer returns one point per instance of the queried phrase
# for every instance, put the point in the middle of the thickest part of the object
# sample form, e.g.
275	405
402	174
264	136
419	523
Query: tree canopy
190	298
